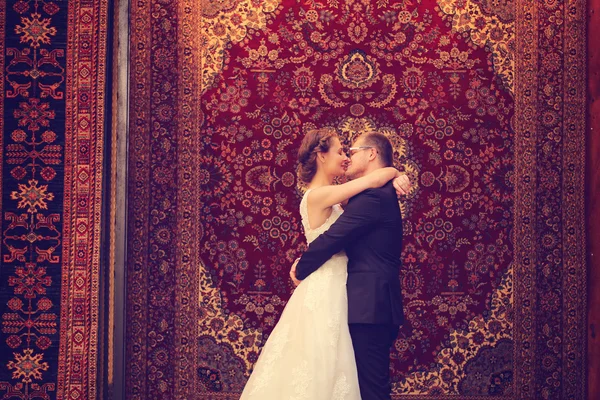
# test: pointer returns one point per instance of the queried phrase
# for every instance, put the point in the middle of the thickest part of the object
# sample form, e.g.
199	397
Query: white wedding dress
309	355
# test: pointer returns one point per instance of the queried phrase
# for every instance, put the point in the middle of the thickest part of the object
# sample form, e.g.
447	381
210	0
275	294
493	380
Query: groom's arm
362	212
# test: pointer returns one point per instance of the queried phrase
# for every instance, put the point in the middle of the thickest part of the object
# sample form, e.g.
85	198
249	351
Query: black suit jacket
370	230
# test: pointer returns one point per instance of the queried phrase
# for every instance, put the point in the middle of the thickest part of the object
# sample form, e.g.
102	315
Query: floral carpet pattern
484	103
52	107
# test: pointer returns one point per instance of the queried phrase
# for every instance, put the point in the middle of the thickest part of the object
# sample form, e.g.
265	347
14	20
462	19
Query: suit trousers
372	344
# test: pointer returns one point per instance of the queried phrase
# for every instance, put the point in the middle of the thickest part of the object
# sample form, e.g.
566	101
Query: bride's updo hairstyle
315	141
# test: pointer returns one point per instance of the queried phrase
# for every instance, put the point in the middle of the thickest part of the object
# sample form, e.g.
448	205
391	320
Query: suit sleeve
362	212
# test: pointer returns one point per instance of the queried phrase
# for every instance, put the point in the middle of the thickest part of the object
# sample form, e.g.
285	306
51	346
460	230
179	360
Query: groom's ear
372	154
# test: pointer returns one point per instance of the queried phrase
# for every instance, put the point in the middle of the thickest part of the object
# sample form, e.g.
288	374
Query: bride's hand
293	273
402	184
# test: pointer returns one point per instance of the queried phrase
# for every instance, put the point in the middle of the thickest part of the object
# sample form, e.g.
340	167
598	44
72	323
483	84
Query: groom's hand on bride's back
293	273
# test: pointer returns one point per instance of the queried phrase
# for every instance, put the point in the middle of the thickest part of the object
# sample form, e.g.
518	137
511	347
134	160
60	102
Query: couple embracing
333	339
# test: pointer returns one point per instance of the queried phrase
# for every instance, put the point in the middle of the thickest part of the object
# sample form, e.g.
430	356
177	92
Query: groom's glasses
354	150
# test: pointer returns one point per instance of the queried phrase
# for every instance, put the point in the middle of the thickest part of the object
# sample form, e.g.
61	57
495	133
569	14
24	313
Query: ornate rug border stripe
188	201
84	148
524	234
574	236
136	316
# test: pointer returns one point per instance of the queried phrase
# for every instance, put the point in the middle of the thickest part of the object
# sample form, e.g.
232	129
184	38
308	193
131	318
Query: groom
370	230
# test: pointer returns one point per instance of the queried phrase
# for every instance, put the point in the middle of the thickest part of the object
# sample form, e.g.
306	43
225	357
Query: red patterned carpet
52	104
484	102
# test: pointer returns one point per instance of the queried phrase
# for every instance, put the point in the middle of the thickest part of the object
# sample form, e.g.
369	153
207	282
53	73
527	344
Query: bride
309	354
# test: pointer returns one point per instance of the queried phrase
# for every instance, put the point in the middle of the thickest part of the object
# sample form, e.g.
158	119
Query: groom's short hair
383	146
